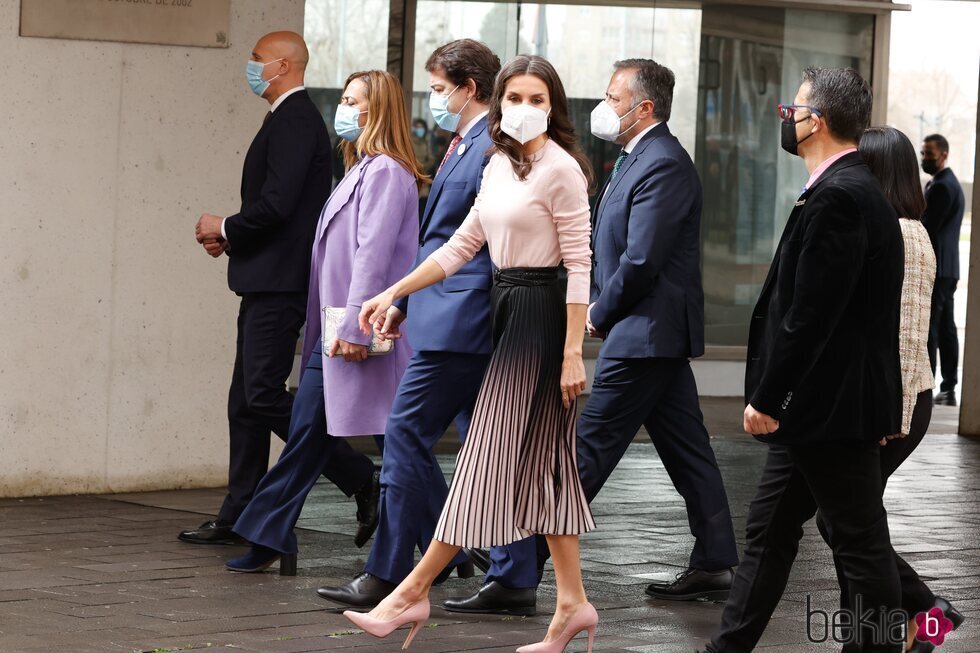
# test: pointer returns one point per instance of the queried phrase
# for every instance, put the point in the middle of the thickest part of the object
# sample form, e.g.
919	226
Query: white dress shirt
466	129
636	139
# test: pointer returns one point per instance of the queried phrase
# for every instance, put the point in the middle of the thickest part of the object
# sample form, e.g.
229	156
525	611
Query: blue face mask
345	122
253	71
419	132
439	106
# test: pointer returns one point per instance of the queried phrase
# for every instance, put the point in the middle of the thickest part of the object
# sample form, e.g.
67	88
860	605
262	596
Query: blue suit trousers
310	451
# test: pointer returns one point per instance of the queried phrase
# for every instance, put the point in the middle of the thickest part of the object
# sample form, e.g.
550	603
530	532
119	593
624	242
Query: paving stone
108	574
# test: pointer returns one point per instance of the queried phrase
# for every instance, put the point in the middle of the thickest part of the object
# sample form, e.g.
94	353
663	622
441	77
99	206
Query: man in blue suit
648	305
450	333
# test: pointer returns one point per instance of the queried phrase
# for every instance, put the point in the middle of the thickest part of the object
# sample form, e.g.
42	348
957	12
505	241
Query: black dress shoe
945	398
480	558
463	570
367	498
494	598
695	585
211	532
365	591
951	613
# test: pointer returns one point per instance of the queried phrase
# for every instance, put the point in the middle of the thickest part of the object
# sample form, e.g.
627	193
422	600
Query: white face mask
606	122
523	123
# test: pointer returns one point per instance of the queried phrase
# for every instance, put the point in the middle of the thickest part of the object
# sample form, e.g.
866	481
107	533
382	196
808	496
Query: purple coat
366	240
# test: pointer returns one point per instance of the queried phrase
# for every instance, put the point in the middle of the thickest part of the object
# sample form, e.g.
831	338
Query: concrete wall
117	330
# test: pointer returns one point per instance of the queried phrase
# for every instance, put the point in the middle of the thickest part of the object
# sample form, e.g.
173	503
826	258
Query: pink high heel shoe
585	618
416	614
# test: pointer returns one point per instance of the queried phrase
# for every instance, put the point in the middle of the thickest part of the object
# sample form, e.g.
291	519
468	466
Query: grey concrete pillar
970	405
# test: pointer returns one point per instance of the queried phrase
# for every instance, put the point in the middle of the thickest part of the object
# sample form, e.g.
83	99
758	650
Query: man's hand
595	333
387	326
215	247
758	423
352	352
888	438
208	228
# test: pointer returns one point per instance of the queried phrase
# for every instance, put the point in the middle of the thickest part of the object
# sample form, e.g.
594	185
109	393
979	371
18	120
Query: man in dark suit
648	306
942	219
822	381
285	183
449	330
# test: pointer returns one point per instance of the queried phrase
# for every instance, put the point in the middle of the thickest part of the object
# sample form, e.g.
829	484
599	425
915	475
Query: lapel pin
461	149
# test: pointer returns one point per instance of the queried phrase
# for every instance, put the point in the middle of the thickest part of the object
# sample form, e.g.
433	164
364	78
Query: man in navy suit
450	333
285	182
648	307
943	219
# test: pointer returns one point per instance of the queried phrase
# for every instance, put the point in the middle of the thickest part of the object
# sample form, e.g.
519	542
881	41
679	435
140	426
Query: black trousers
844	482
942	334
916	595
258	402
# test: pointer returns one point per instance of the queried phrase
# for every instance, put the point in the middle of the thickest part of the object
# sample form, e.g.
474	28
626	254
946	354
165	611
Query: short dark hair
651	81
892	159
844	99
939	140
466	59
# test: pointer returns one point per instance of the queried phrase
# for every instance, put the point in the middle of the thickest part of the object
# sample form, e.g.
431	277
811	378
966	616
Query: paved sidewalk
107	573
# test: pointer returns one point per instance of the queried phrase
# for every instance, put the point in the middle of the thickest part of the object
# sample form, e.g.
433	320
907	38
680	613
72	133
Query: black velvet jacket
823	344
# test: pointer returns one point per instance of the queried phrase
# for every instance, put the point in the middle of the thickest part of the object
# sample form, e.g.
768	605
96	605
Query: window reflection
751	60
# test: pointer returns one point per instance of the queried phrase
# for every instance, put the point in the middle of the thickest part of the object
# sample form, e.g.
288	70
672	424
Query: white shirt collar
636	139
282	98
465	130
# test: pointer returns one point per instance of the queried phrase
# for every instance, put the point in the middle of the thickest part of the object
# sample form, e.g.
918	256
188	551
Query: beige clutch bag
332	318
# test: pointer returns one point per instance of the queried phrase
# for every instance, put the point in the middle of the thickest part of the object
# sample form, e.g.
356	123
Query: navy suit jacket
647	290
454	314
285	183
942	219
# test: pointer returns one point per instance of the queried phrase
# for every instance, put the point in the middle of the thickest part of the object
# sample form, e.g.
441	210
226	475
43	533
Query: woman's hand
351	351
572	378
374	310
387	326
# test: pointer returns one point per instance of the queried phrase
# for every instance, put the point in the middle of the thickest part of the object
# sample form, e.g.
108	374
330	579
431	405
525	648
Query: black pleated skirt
516	474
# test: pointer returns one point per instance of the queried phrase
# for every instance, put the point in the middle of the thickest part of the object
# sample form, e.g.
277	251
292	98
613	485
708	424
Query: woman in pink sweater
516	474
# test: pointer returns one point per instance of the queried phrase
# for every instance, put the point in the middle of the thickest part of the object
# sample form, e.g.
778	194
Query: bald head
284	45
286	56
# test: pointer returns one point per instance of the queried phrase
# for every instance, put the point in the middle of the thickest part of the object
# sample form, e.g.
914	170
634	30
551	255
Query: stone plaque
167	22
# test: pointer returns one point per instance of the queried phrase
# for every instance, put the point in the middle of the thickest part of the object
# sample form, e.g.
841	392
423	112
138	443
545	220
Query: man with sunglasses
822	376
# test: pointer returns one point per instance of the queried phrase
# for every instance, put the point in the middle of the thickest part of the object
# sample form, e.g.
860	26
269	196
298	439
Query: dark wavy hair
560	128
463	60
892	159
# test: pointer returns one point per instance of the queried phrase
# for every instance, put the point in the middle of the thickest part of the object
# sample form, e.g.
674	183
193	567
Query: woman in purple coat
366	240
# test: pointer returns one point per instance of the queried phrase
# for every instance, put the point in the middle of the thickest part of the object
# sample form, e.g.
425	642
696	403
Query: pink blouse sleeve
464	244
570	211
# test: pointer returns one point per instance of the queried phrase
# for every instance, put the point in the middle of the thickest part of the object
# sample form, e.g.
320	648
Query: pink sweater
535	223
